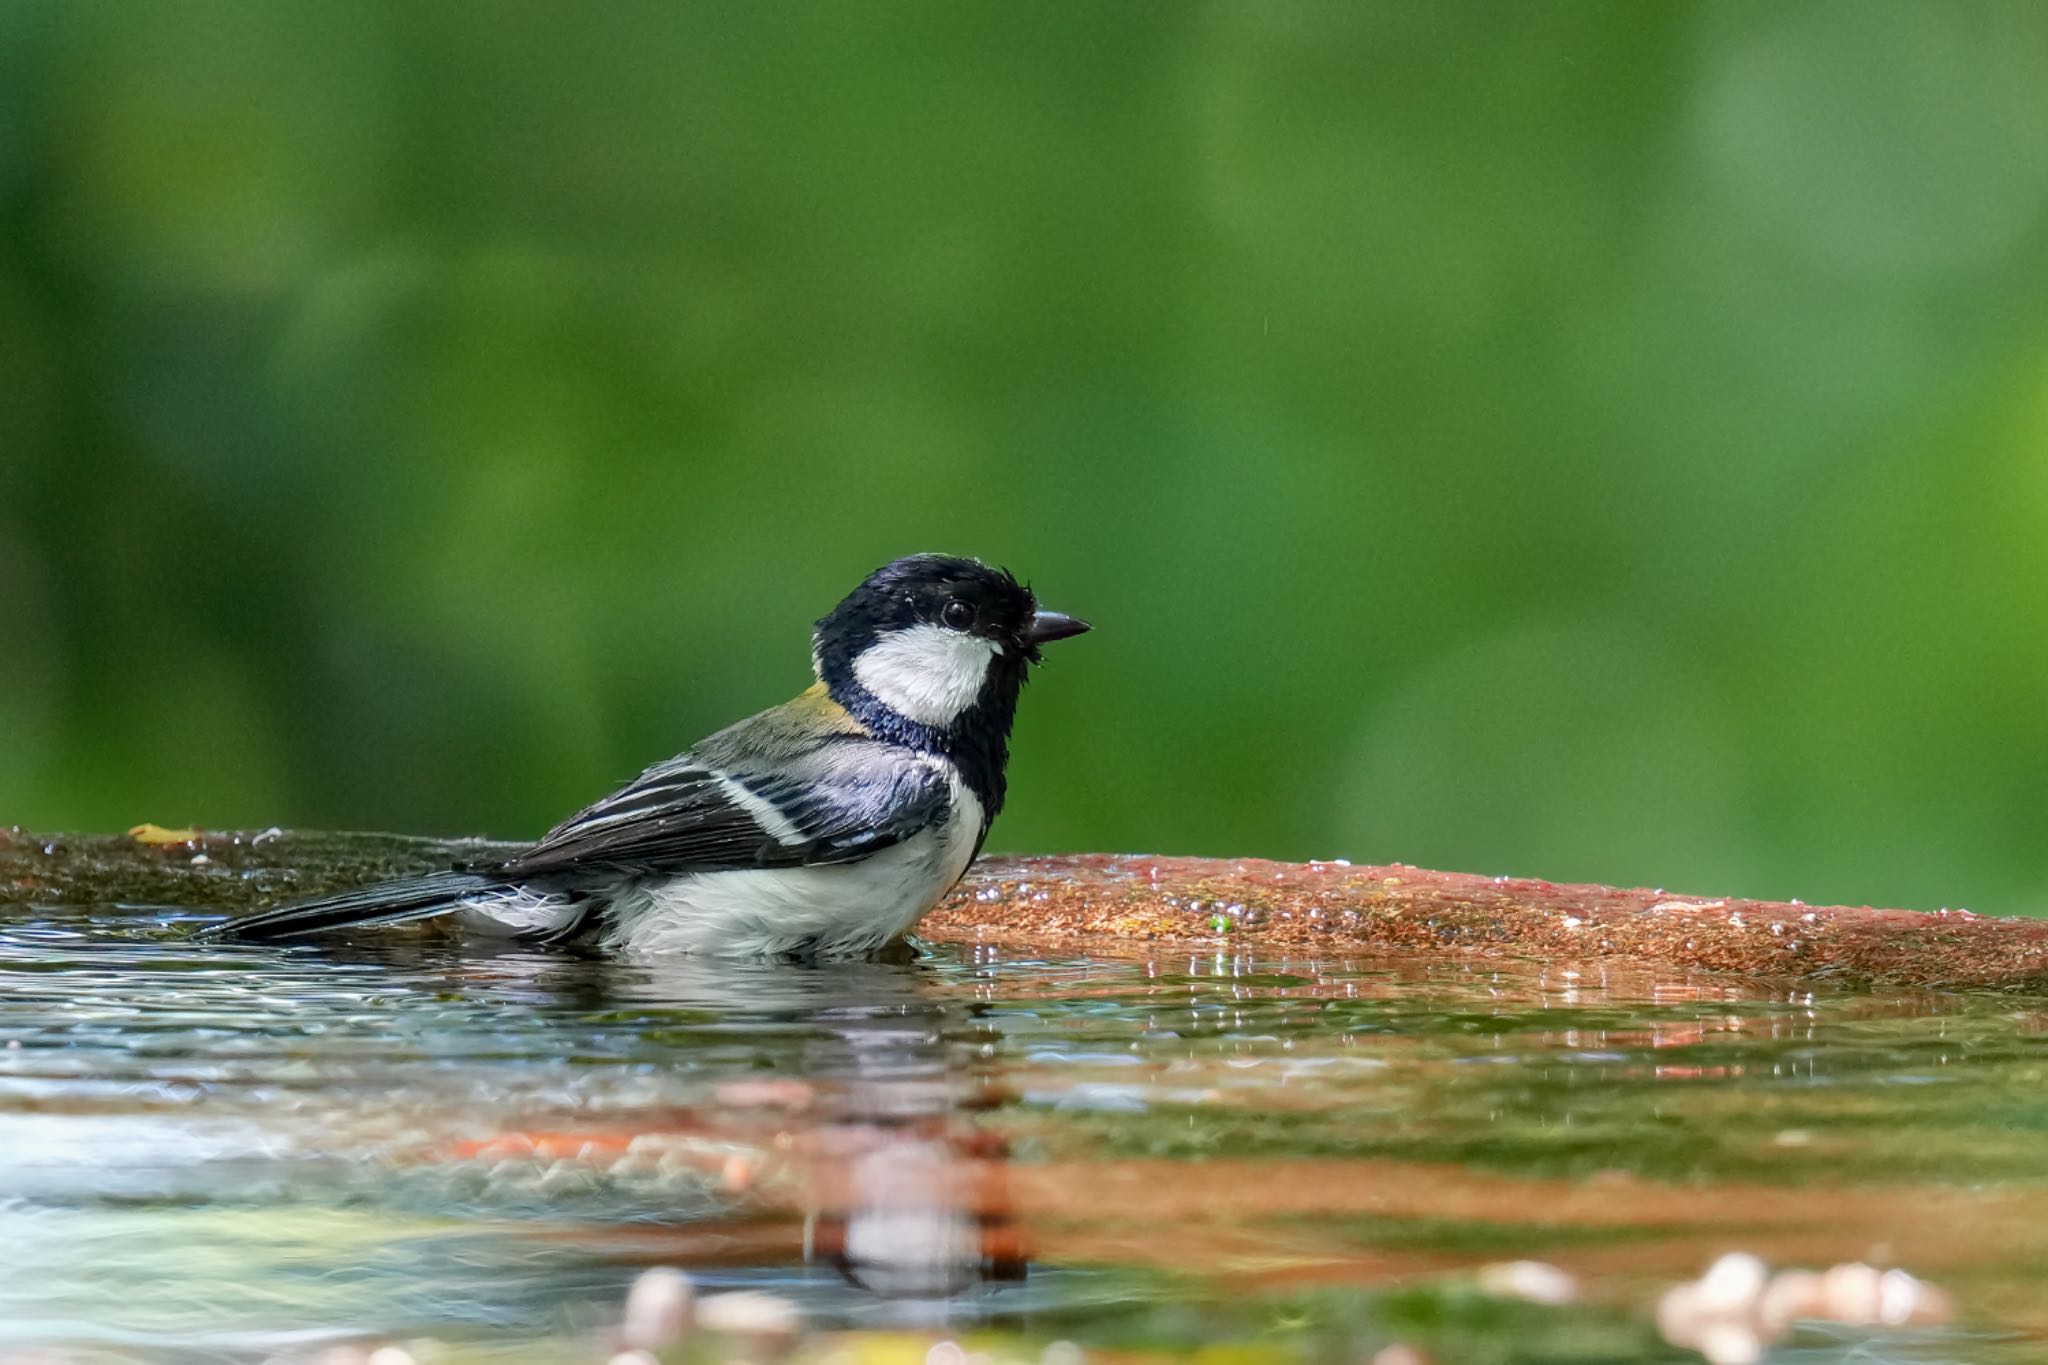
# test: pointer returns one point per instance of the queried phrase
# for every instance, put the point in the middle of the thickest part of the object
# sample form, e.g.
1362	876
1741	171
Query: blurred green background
1588	440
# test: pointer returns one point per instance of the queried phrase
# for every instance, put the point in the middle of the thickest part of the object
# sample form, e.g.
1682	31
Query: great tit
826	826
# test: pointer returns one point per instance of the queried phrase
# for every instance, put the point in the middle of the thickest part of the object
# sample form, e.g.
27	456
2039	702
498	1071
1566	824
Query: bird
825	827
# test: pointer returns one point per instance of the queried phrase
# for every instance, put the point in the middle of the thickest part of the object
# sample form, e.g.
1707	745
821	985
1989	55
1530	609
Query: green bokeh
1595	441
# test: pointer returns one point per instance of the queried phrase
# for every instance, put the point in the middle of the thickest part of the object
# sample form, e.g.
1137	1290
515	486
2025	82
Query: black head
932	650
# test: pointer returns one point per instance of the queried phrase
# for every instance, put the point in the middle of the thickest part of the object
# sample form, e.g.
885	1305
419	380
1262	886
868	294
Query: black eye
957	615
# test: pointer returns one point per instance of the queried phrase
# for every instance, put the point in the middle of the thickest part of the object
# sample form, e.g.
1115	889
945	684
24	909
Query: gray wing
836	803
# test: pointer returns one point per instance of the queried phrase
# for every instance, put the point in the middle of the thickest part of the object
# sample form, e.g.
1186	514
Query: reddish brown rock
1252	905
1109	902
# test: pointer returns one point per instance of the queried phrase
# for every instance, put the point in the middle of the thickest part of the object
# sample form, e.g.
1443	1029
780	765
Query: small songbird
826	826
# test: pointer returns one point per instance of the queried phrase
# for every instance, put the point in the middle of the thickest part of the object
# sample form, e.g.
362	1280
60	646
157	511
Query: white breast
840	910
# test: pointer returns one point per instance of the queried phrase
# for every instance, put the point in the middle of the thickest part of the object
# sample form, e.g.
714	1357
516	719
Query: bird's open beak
1053	625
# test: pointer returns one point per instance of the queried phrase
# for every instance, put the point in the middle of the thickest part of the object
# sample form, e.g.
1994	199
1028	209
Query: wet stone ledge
1111	902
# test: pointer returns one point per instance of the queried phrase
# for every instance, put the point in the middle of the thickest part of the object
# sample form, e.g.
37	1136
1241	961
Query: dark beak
1053	625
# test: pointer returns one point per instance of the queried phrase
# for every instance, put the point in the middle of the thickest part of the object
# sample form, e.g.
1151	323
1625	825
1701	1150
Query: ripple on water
271	1147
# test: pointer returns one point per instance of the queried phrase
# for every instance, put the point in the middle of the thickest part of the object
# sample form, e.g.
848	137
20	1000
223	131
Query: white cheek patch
927	673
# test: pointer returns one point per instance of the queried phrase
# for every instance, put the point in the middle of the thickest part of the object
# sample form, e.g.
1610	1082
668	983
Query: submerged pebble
659	1309
764	1317
1530	1281
1400	1355
1737	1310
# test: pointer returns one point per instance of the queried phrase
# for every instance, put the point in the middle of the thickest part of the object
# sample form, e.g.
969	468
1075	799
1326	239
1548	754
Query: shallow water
241	1152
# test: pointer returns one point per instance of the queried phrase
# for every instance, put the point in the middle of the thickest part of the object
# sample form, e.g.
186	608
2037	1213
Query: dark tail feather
399	902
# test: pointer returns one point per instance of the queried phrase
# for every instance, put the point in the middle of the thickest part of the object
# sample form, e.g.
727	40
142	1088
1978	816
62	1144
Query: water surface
252	1152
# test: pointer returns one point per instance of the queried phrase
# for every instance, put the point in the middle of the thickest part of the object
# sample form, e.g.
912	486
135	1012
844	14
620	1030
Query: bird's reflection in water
878	1073
909	1194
